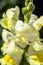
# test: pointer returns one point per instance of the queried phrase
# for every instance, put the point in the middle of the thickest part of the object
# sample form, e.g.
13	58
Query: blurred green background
5	4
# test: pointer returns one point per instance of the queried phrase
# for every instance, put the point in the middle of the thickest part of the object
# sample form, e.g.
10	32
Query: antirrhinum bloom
27	30
14	51
10	18
35	54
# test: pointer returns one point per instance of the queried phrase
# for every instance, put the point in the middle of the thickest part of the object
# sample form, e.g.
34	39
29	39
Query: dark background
5	4
39	7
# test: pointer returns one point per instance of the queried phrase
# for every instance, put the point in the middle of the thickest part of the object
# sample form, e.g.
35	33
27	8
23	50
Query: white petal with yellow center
35	57
21	40
14	51
10	18
27	30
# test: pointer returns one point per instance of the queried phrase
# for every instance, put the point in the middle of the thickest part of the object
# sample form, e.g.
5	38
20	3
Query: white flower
38	23
36	58
14	51
26	30
10	18
35	54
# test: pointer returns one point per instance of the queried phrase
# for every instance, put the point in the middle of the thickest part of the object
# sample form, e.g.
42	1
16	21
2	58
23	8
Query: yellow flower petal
7	60
12	61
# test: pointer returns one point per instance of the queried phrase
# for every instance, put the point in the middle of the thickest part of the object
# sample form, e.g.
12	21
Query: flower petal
6	35
38	23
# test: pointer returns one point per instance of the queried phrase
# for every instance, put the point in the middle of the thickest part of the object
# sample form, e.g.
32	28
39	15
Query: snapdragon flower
35	54
19	38
27	30
36	58
14	51
10	18
7	37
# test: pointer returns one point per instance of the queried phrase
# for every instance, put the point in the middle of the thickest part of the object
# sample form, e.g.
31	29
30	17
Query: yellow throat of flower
37	57
8	59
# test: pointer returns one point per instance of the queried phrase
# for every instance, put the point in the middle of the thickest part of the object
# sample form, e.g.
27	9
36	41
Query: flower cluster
18	34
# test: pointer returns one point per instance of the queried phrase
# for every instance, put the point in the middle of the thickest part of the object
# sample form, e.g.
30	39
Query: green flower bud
27	11
30	7
24	10
27	1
